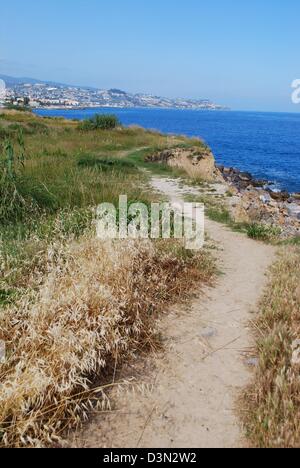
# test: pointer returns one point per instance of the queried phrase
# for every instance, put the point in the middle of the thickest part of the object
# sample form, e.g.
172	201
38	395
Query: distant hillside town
40	94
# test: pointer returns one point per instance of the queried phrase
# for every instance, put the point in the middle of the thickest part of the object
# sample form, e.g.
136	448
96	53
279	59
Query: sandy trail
186	397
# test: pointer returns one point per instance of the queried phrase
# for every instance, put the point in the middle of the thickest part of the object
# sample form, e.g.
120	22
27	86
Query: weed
262	232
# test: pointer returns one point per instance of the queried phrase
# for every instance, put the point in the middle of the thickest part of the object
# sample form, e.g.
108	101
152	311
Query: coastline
265	145
253	201
270	184
234	195
64	108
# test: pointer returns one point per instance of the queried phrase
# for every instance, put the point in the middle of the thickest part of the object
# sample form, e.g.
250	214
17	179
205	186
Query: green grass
139	159
7	297
66	173
292	241
262	232
219	214
18	108
99	122
215	210
259	232
107	164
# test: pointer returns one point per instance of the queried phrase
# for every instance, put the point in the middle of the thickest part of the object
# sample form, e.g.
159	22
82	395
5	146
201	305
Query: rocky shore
248	200
258	201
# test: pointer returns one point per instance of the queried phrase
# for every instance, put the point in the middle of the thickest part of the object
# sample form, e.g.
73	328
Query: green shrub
218	214
20	108
100	122
262	232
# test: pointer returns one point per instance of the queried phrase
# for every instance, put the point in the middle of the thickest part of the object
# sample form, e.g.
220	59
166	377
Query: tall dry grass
271	406
96	305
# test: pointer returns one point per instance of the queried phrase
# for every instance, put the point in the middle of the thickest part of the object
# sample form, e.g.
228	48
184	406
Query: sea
265	144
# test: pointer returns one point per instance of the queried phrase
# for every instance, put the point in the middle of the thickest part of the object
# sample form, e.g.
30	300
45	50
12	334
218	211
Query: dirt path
186	398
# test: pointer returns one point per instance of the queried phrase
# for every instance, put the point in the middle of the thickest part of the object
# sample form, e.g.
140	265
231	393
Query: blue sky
241	53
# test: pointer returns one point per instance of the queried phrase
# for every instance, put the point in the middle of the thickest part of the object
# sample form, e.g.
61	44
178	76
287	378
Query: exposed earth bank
248	200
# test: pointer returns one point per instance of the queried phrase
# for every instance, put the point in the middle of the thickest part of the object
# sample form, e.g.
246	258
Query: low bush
262	232
100	122
218	214
19	108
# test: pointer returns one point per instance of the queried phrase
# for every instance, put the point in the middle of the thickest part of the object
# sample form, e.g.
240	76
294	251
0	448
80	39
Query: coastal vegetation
73	308
99	122
271	406
216	210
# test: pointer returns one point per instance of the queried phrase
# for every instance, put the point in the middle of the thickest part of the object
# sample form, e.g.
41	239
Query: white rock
252	362
208	332
265	198
294	210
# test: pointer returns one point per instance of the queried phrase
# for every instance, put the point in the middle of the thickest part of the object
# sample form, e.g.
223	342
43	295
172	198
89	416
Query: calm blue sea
265	144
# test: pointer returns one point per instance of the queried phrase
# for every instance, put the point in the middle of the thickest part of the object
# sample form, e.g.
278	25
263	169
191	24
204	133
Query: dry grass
95	304
272	416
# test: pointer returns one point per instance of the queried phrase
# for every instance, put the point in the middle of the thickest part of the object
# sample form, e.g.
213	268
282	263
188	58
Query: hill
51	94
